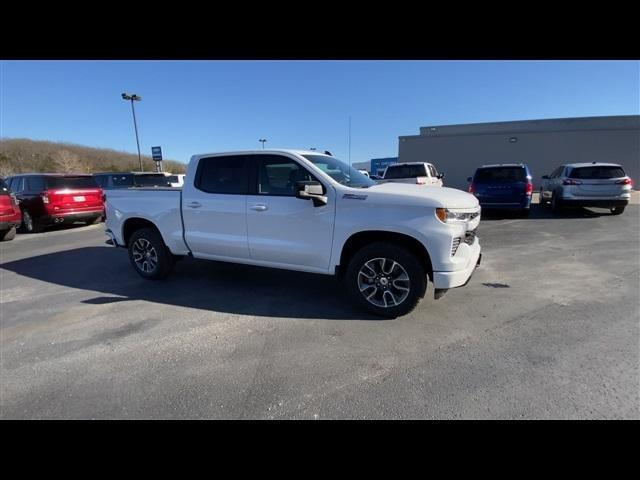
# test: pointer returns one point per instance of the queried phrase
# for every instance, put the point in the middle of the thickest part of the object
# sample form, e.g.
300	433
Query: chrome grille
454	245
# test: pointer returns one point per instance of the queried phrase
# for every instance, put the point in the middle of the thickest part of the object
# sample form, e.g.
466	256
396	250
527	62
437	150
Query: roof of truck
260	151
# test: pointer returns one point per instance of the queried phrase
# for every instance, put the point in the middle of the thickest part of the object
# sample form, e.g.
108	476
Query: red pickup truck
10	215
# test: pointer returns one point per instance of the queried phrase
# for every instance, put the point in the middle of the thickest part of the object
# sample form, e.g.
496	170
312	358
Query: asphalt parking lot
548	327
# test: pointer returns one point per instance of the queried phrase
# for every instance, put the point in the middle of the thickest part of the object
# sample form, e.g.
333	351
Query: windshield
501	174
152	180
600	172
340	171
405	171
71	182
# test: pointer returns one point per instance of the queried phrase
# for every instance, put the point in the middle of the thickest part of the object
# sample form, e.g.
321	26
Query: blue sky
191	107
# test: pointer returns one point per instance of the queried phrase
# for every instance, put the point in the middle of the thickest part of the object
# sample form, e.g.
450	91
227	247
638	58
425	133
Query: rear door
599	181
282	228
214	208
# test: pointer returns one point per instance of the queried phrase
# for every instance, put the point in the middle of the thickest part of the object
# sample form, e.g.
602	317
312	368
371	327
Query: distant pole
134	97
349	140
262	140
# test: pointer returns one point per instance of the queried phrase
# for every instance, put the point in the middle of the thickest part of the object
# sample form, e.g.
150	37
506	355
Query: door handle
258	208
194	205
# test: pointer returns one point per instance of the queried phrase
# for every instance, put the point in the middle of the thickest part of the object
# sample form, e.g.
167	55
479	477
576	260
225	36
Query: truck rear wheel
385	279
7	235
149	255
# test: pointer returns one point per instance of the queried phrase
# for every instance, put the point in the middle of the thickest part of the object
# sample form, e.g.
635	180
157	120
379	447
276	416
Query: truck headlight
450	216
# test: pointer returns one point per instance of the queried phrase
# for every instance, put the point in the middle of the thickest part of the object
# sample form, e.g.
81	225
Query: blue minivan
504	187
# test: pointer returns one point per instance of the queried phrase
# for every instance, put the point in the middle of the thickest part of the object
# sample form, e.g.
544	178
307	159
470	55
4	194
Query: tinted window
70	182
16	184
35	184
405	171
151	180
501	174
222	175
277	175
122	181
556	173
597	172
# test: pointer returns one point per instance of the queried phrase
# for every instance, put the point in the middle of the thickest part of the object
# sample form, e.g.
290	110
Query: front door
284	230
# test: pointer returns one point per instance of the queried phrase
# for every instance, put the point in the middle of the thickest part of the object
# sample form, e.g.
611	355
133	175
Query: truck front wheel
149	255
386	279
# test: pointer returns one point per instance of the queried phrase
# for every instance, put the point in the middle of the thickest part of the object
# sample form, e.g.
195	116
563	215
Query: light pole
262	140
134	98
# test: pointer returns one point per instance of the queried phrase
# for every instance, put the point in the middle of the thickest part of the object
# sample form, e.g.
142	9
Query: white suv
604	185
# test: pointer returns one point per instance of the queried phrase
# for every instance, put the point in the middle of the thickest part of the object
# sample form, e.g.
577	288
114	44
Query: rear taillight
626	181
472	188
529	189
571	181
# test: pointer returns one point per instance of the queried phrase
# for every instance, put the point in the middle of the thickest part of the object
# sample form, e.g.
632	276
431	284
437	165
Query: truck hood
426	195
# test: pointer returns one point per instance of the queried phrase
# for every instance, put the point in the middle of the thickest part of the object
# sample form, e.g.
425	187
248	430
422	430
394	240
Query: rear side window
35	184
70	182
151	180
16	184
501	174
597	172
122	181
405	171
222	175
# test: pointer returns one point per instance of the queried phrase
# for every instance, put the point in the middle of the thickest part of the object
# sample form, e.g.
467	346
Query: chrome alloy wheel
145	255
383	282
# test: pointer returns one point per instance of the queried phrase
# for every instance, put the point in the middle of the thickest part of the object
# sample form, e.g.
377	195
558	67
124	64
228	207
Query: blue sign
156	153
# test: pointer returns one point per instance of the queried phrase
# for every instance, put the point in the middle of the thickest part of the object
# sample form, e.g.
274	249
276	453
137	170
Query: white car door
214	208
284	230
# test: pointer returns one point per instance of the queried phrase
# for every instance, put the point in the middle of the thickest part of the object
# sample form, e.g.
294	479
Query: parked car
305	211
176	180
604	185
10	216
50	198
414	172
112	180
504	186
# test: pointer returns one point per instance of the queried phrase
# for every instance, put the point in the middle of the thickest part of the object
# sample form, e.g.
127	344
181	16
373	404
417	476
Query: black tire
410	265
7	235
159	262
556	203
29	225
617	210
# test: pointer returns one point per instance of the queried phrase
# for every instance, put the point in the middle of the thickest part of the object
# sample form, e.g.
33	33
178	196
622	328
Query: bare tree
67	162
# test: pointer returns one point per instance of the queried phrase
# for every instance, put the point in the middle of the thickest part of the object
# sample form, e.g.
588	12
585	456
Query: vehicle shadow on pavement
539	212
206	285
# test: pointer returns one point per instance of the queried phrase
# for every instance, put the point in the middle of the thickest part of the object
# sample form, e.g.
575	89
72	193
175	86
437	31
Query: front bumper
460	277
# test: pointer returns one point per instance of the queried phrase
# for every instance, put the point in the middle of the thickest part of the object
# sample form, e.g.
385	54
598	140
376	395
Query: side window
556	173
16	185
222	175
432	171
277	175
35	184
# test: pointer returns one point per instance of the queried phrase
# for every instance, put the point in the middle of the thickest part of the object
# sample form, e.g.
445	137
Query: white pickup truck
302	210
418	173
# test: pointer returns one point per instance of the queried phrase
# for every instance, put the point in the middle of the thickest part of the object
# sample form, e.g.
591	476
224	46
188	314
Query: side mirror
441	175
469	179
545	177
311	191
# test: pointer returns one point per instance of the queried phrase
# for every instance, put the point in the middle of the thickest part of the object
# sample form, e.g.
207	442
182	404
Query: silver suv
594	184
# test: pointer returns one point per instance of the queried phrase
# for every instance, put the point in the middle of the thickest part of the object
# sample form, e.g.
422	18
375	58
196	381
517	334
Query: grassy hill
21	155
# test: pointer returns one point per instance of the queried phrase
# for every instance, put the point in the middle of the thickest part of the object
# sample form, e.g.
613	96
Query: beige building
458	150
